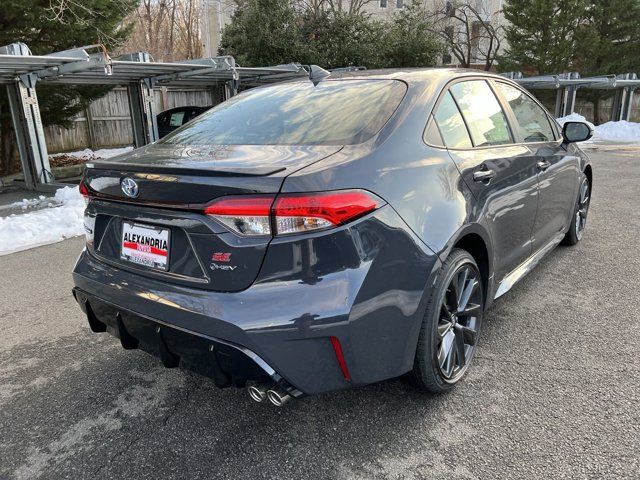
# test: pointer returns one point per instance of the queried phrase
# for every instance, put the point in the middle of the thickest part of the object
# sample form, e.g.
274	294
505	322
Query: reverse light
246	215
291	213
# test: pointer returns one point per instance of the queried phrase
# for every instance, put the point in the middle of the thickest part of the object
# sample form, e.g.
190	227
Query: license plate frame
143	245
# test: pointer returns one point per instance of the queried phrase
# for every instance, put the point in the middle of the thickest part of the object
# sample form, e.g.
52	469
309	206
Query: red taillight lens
246	215
297	213
84	191
291	213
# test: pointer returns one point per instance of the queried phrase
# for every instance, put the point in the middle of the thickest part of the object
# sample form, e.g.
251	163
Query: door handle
483	175
543	165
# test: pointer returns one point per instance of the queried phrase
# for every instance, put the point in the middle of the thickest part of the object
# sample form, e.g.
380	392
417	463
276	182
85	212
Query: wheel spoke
584	192
450	299
445	354
471	310
469	335
460	353
469	289
443	327
460	286
450	363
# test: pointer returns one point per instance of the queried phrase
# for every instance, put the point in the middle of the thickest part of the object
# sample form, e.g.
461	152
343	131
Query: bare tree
186	24
471	33
352	7
77	12
168	29
313	7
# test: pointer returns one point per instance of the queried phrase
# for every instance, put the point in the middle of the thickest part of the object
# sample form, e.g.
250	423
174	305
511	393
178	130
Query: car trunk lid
174	184
183	176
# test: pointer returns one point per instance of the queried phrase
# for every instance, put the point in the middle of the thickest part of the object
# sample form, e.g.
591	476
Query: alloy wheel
459	323
583	208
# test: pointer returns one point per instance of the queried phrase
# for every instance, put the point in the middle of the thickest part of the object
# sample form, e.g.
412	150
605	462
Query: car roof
413	75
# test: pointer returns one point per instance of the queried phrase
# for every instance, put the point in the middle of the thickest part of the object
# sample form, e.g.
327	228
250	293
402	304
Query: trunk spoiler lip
125	168
192	207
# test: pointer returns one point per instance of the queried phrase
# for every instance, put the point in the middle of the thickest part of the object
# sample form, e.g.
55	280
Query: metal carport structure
567	85
21	71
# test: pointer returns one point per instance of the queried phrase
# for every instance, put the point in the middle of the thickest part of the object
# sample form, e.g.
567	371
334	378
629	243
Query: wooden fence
106	123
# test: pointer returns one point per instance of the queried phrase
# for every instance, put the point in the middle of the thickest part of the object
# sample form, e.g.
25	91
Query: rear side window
163	120
332	112
533	121
482	113
432	134
450	123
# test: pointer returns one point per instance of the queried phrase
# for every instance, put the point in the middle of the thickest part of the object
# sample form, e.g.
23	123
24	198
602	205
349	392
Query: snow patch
620	131
87	153
26	203
64	219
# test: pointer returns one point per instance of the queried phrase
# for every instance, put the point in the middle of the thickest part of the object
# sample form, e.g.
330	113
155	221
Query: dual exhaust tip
275	395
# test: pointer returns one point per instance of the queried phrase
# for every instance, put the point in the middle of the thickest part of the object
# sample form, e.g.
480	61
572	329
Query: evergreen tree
270	32
335	39
541	35
262	32
53	25
608	42
409	40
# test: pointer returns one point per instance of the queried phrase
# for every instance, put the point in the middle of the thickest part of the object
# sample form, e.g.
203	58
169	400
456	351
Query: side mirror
576	132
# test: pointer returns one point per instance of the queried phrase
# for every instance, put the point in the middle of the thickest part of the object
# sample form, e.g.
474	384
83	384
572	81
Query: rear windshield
329	113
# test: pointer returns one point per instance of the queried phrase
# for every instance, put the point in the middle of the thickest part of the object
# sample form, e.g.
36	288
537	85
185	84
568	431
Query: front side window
177	119
333	112
450	123
533	121
483	114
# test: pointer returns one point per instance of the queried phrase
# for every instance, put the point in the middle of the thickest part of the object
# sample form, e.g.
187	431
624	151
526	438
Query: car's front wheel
579	217
451	325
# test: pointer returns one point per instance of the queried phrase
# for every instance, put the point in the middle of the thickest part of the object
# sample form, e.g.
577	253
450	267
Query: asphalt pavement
553	392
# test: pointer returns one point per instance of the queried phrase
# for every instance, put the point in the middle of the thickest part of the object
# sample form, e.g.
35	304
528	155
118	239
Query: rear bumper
227	364
363	284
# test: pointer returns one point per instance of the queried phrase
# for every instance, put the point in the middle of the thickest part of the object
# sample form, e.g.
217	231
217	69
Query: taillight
246	215
297	213
291	213
84	191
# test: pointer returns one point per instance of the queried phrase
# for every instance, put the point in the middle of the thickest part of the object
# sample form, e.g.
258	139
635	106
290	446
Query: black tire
580	211
430	372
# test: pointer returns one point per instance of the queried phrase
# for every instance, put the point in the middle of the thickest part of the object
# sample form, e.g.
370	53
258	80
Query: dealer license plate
145	245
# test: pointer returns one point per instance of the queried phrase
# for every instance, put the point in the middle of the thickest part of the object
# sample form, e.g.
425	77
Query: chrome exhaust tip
278	397
258	392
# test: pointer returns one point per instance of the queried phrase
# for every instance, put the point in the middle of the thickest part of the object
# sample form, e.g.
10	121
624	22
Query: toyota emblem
129	187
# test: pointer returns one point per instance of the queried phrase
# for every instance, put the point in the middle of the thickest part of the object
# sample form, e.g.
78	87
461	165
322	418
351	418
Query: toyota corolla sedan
312	236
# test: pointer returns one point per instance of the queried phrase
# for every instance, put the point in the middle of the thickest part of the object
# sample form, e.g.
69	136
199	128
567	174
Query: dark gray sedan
312	236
